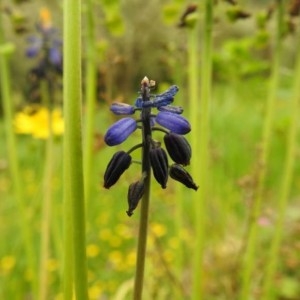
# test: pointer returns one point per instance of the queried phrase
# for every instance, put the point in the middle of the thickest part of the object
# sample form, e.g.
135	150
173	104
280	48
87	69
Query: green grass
237	117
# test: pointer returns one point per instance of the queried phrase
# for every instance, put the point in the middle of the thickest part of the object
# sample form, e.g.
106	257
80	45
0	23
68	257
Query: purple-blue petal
33	50
120	131
173	122
55	56
172	109
139	102
122	109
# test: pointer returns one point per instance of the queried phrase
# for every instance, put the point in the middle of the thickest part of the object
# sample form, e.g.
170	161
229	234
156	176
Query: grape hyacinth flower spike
168	120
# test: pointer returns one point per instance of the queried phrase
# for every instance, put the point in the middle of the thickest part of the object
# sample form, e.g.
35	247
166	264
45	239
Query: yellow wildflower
7	263
95	292
92	250
45	18
52	264
158	229
35	121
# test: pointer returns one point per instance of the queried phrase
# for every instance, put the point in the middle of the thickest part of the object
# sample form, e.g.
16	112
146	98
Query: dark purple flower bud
120	131
178	173
159	164
178	148
122	109
118	164
55	56
173	122
171	108
135	193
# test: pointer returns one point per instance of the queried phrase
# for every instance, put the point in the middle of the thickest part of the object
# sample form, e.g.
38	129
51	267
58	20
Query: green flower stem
285	186
5	83
74	206
91	74
146	170
250	254
47	192
201	165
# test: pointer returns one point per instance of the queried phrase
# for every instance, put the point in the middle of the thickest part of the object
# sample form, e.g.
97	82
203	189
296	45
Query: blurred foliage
125	51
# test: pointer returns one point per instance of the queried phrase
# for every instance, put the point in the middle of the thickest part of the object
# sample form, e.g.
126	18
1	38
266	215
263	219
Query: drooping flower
178	148
159	164
178	173
118	164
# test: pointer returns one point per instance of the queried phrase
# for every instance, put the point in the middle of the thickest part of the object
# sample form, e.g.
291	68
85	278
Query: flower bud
178	148
122	109
173	122
159	164
178	173
116	167
170	92
135	193
171	108
120	131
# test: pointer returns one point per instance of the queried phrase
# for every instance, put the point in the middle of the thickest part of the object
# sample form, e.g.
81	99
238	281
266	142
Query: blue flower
178	148
122	109
120	131
173	122
46	43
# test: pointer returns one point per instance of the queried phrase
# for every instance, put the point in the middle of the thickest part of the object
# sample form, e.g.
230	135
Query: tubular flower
173	122
122	109
153	155
178	148
120	131
159	164
178	173
135	193
118	164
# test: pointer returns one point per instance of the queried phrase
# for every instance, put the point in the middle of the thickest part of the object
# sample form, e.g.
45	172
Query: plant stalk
74	206
201	161
268	286
249	257
12	154
143	227
47	200
90	96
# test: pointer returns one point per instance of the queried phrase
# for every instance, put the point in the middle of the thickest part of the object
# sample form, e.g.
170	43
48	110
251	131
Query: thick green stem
146	170
74	206
249	257
47	200
91	74
287	177
201	161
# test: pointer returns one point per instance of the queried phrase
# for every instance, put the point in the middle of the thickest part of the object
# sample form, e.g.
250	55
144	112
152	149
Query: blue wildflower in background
170	122
46	44
46	48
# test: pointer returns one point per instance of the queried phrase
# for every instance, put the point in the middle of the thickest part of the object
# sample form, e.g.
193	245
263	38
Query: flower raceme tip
174	125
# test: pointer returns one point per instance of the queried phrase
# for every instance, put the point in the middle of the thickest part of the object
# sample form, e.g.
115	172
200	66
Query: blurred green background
131	39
